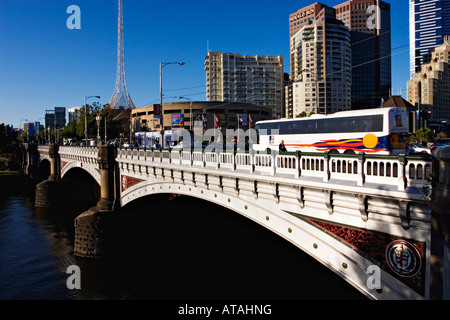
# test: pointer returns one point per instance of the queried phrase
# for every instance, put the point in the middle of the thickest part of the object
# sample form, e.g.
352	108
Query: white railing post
361	169
327	170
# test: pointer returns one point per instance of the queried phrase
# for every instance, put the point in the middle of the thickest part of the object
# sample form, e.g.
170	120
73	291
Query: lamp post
190	111
85	117
98	118
162	65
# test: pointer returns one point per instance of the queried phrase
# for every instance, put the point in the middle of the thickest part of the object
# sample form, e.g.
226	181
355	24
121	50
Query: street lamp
98	118
85	117
190	111
162	65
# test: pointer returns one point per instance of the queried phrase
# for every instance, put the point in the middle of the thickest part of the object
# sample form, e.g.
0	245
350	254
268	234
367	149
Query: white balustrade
390	171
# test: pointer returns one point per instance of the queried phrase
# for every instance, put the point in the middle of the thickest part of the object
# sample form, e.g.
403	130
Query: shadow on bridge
188	248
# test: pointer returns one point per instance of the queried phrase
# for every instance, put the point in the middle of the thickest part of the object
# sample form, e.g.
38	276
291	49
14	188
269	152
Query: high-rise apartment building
258	80
369	22
320	65
429	23
429	88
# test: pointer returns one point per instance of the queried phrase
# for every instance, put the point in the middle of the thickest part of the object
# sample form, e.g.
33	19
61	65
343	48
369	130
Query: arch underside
306	223
93	171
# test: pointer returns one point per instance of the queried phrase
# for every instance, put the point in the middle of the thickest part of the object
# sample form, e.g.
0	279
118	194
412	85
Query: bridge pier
30	159
91	226
440	203
50	192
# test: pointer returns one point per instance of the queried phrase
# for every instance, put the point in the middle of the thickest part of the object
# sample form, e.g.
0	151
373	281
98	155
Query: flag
216	122
242	118
205	122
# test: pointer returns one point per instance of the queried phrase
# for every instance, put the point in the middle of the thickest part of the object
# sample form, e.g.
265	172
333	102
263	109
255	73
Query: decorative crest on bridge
121	97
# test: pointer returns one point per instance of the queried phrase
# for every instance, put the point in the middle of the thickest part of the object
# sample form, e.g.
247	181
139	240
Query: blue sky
44	65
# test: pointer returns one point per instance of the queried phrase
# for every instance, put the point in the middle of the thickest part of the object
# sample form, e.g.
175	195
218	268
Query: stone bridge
367	218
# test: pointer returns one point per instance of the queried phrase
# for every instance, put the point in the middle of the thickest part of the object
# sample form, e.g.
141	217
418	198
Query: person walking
282	147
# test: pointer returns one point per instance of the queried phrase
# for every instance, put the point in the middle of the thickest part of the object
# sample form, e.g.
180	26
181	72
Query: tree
423	135
76	129
302	115
70	131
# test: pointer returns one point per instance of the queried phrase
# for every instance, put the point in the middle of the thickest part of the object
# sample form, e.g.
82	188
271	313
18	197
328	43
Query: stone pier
51	192
440	203
91	227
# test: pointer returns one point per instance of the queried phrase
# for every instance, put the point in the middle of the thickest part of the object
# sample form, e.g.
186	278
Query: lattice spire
121	97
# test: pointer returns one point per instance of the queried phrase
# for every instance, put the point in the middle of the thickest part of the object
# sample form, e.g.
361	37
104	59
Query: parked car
441	143
417	148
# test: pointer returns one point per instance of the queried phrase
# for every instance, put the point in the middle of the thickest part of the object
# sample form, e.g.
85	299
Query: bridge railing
396	171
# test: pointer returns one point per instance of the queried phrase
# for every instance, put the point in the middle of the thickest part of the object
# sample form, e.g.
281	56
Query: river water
182	249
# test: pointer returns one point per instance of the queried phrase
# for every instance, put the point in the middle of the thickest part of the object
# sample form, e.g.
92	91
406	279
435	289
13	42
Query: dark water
182	249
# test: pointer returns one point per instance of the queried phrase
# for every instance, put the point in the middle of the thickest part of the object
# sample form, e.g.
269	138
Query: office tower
74	114
429	88
370	31
121	97
429	23
258	80
321	67
55	118
305	16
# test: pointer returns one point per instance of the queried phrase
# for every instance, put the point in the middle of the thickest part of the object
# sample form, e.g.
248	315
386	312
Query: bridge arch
93	171
81	186
269	212
43	170
255	257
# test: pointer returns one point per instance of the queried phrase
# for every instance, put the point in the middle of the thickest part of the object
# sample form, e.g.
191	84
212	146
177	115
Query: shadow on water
160	249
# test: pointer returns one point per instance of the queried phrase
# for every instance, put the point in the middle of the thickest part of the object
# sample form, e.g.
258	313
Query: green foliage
441	135
305	115
75	130
423	135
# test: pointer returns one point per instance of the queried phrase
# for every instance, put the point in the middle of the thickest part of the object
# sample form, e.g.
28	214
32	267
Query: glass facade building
429	24
369	22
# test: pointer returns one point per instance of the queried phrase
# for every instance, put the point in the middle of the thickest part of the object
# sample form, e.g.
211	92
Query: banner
156	123
178	121
216	122
37	127
157	110
250	122
30	129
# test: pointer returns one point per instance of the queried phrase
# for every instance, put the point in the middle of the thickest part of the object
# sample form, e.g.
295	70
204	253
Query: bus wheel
268	150
349	152
334	151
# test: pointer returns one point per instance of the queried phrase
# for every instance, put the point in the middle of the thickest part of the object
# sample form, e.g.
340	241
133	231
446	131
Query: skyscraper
429	88
320	65
121	97
369	22
429	23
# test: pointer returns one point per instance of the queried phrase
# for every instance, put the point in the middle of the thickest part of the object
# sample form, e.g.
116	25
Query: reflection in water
178	249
